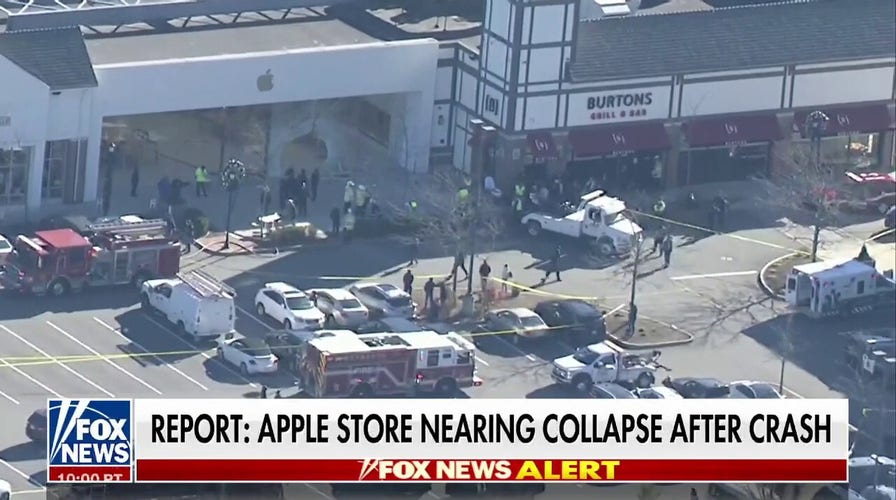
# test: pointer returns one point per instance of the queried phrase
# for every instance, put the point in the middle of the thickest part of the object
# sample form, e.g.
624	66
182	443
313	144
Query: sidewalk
389	184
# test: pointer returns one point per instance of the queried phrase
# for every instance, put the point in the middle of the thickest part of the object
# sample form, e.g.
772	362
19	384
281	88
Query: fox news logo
89	432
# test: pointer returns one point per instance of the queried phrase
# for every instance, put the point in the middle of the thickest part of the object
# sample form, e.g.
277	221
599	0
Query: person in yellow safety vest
463	194
201	175
348	225
659	208
517	204
519	190
348	197
412	208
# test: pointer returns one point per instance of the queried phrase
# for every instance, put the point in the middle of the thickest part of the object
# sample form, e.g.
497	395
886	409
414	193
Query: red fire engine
387	364
61	260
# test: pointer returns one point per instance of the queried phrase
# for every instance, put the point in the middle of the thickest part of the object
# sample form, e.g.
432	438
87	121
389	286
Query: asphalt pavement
709	290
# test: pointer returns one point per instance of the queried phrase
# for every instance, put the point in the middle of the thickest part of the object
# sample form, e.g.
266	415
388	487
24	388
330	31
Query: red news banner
480	440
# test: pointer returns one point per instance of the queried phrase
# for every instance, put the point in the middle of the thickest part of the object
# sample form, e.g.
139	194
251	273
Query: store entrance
619	172
723	164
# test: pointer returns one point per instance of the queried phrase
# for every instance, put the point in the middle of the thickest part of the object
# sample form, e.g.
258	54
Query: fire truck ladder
129	228
206	284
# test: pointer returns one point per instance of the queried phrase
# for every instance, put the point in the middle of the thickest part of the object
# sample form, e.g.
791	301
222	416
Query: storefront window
630	171
54	169
14	165
723	164
844	152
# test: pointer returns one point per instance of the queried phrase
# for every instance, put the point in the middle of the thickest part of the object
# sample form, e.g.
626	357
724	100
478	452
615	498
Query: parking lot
96	351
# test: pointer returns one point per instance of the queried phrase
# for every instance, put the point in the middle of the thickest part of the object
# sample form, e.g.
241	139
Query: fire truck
58	261
387	364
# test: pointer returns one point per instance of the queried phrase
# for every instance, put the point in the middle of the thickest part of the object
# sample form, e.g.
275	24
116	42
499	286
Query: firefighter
463	195
348	225
348	196
360	200
659	208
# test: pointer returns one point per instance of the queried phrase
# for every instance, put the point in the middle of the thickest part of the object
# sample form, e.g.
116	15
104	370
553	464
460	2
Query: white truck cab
598	218
605	362
198	304
837	287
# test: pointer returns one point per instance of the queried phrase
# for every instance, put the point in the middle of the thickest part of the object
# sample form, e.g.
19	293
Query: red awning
845	120
732	130
542	145
605	140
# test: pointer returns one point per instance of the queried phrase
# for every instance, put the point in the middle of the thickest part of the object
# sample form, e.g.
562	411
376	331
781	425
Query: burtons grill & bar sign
588	108
611	106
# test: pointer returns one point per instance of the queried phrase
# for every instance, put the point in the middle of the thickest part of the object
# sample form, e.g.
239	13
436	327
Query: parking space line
20	473
29	377
38	491
203	353
57	362
481	361
153	356
253	317
106	359
7	396
318	491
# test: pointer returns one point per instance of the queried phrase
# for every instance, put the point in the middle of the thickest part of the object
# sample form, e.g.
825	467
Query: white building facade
559	86
525	81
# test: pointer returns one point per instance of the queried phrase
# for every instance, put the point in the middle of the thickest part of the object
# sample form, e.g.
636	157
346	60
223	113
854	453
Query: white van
199	305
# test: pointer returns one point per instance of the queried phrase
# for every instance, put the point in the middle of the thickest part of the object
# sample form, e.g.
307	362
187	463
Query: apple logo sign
265	82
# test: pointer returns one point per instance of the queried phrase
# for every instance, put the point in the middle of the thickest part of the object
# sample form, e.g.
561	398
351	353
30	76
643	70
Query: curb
689	337
763	285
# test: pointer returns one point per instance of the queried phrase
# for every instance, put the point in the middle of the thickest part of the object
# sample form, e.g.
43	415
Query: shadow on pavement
221	373
819	347
23	451
39	477
554	391
146	334
19	306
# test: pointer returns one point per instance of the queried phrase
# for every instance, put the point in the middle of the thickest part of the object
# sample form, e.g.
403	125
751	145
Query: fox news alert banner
441	440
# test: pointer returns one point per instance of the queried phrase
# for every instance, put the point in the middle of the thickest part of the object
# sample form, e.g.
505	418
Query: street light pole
232	174
632	308
816	125
482	137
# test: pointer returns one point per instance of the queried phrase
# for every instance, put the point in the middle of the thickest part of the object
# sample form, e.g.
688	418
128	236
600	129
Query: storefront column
92	161
35	181
888	150
670	172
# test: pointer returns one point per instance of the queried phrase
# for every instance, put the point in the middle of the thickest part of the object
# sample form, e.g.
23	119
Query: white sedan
385	299
250	355
5	249
288	306
339	307
659	392
753	390
521	322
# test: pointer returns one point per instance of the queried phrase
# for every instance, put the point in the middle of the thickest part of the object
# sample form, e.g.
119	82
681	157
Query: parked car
519	322
250	355
340	307
288	306
384	299
698	388
575	318
754	390
659	392
611	391
5	249
36	427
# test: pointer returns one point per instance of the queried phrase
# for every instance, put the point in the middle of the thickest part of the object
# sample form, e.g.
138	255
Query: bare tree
244	130
809	182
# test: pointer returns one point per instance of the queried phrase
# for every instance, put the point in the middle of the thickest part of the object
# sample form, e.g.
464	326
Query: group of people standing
296	191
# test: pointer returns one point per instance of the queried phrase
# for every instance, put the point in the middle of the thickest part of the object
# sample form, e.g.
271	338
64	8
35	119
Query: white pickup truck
604	362
598	218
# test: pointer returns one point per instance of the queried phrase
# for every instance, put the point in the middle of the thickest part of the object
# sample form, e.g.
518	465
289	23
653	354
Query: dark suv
36	429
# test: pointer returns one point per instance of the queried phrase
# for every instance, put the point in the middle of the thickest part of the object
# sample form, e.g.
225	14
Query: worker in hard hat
348	197
360	200
348	225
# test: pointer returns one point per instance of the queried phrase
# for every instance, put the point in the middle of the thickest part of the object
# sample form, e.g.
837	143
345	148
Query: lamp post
483	135
231	176
632	308
816	125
